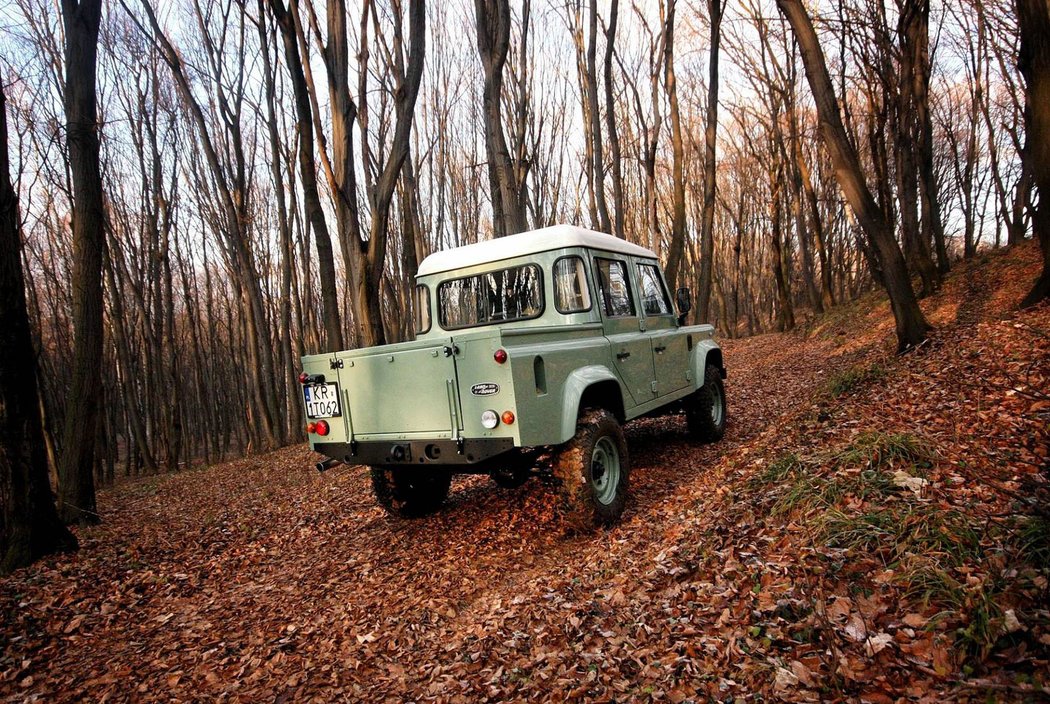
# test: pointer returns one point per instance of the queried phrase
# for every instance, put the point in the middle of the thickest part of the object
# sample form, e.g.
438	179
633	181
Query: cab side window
614	287
654	295
571	294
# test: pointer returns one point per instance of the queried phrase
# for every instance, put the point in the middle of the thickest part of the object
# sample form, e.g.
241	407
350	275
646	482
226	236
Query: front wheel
705	410
408	493
592	470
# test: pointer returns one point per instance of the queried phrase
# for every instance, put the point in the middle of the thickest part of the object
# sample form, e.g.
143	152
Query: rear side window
493	297
571	293
614	287
422	309
654	295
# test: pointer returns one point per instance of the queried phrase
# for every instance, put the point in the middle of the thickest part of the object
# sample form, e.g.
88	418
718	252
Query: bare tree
286	22
76	468
911	325
29	524
493	39
715	8
677	246
615	152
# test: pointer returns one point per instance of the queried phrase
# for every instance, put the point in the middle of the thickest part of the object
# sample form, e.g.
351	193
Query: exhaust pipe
327	464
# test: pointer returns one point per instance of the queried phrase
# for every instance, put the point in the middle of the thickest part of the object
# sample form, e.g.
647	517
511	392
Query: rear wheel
705	410
408	493
592	470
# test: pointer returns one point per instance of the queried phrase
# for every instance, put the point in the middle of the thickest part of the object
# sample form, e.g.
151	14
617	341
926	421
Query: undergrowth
850	380
870	498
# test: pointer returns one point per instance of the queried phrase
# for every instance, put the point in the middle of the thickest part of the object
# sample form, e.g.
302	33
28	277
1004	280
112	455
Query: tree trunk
1034	62
707	221
781	260
493	39
677	246
610	123
75	474
29	524
308	172
911	31
595	124
912	327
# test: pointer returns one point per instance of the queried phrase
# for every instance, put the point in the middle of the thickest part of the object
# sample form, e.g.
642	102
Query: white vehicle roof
542	240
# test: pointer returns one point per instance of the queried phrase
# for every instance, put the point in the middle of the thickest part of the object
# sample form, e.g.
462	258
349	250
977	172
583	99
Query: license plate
322	400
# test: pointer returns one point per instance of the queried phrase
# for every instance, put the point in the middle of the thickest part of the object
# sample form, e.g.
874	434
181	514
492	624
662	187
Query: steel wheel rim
605	470
718	406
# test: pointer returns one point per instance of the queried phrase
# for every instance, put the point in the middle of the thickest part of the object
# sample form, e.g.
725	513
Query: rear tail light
507	417
323	428
500	355
303	378
311	427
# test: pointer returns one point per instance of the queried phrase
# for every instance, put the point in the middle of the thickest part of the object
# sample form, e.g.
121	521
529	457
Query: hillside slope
863	531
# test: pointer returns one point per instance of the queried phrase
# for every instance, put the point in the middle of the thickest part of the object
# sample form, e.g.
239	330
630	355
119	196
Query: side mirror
684	299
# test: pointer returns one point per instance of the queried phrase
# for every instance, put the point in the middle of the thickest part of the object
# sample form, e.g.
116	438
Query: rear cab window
501	296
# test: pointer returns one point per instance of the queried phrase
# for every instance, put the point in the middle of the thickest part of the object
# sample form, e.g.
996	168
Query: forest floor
872	528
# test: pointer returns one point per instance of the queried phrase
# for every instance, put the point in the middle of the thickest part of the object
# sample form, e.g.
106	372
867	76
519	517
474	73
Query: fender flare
702	352
575	385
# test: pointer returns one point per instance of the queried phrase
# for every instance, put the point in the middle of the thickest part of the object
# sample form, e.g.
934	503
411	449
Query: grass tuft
850	380
876	449
1033	540
903	530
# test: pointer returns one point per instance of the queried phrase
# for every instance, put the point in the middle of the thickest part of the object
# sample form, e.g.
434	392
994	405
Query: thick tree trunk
912	29
918	47
75	473
707	221
912	327
616	167
593	120
1034	62
493	39
374	253
677	246
283	381
308	173
29	524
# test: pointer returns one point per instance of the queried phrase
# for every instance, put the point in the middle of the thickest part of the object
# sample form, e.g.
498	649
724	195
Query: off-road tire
597	450
409	493
705	409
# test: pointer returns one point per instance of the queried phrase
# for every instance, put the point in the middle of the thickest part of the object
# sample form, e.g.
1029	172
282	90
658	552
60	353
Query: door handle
623	355
449	351
660	349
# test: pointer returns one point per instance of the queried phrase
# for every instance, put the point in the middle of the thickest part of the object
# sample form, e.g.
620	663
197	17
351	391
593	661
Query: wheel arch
714	357
595	386
706	352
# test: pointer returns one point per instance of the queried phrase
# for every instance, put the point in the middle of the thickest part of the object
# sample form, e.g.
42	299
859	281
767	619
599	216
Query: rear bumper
416	452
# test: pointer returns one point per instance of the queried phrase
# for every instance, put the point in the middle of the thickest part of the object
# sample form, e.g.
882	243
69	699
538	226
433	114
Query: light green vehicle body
423	395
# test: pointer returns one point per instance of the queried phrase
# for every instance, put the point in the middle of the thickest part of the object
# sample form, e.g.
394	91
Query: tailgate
401	391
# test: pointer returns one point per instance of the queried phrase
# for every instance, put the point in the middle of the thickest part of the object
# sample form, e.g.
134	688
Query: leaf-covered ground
872	528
